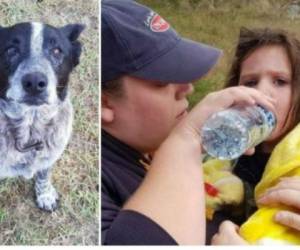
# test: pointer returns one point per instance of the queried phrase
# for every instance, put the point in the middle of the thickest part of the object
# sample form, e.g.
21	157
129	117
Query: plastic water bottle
229	133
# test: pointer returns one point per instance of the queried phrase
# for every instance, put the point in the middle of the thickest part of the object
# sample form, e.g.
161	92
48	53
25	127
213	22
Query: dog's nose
34	83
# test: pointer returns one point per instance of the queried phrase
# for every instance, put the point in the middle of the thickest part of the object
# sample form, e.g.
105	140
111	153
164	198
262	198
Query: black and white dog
35	109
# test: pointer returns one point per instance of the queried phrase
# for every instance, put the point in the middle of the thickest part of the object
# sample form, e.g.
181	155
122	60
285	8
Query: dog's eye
56	52
12	52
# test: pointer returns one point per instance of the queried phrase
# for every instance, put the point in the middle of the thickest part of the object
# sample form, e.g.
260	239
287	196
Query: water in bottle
229	133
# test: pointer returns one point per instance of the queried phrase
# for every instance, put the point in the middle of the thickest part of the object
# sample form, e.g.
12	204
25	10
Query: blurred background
218	22
75	175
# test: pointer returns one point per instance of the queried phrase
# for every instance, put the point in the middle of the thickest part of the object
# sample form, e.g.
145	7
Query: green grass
75	175
217	22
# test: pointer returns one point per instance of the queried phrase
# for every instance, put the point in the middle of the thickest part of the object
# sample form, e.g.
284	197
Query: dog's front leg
46	195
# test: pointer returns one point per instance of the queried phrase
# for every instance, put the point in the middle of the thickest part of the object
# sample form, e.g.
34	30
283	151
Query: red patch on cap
158	24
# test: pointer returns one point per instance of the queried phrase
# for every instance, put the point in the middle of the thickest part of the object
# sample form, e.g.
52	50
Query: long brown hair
250	40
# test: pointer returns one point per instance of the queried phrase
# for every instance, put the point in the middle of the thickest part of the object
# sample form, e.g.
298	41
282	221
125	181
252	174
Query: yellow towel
260	228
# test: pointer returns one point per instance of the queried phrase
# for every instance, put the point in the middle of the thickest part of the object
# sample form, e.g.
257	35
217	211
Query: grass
217	22
75	175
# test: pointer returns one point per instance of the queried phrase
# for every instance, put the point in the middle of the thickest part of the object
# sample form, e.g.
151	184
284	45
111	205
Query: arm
172	193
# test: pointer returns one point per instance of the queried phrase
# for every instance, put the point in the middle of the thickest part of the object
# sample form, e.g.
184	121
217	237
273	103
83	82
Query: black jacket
121	174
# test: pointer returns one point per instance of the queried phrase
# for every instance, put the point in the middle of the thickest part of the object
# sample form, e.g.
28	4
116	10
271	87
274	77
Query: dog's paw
48	200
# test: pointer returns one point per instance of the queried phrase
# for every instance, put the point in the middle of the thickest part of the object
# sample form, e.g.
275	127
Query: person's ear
107	111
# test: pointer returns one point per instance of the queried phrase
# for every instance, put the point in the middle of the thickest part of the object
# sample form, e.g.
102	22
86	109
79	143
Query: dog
36	114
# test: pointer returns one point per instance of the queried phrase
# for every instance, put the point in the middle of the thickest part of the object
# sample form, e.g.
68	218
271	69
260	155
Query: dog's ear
72	31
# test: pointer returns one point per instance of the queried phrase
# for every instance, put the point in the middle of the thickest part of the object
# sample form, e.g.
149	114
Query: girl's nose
265	86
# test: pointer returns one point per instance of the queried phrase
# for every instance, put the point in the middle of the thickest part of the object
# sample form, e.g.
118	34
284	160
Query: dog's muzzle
35	86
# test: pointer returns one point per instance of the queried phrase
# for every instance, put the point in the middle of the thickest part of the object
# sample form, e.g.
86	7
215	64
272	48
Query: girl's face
268	69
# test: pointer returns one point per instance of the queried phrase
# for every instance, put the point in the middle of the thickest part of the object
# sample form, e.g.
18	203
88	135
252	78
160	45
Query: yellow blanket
284	161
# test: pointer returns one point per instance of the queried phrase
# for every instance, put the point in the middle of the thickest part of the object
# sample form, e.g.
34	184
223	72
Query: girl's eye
12	52
280	82
250	83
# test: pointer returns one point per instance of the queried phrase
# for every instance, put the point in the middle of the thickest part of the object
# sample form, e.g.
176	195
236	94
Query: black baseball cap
137	41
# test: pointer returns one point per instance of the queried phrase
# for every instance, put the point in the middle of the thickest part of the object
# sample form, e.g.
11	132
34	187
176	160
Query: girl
269	61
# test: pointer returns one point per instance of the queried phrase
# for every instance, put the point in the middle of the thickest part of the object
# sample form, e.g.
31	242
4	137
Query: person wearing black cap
146	71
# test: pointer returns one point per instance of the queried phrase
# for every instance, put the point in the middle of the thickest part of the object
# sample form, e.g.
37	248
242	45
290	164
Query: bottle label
263	127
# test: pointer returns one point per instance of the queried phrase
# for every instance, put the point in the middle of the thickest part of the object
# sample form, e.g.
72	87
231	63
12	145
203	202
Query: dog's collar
37	145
